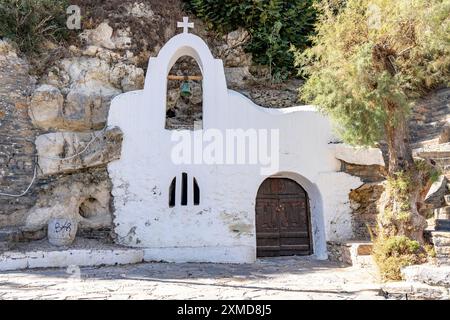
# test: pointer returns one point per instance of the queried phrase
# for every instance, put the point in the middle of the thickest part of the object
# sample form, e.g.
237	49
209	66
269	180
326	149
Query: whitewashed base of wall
14	260
88	257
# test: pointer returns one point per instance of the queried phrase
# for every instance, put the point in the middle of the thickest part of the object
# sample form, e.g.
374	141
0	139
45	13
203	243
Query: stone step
404	290
429	274
441	239
442	251
447	200
442	213
442	225
443	260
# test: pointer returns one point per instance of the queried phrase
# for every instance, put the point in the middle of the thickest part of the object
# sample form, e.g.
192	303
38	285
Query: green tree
370	60
274	25
29	23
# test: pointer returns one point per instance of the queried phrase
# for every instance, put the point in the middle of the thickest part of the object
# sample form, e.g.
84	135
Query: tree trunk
398	209
400	153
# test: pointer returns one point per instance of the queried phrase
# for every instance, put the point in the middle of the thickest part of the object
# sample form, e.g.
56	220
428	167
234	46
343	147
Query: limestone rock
437	191
46	107
280	96
407	290
139	10
62	231
237	37
128	77
86	71
122	39
87	107
428	274
172	98
83	197
100	36
232	51
363	202
238	76
53	146
359	155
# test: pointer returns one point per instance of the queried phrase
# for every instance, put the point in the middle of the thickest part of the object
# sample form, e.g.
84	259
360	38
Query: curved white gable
222	227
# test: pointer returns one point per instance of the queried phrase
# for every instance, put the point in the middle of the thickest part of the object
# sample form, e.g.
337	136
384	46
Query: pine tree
370	60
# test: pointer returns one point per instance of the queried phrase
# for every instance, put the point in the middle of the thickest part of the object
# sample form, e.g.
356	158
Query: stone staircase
440	232
421	282
430	120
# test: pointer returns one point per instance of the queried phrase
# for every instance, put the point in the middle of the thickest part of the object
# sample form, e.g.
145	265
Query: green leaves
274	25
366	75
31	22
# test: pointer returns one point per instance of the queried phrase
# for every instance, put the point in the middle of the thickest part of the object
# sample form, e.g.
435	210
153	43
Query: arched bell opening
184	100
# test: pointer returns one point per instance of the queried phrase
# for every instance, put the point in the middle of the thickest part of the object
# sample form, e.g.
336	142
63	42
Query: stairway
430	119
441	234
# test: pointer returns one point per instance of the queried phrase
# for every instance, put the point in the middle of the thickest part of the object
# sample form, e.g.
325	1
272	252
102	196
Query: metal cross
185	24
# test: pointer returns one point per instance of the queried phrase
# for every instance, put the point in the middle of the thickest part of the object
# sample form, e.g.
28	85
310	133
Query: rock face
363	201
64	152
100	36
84	197
17	134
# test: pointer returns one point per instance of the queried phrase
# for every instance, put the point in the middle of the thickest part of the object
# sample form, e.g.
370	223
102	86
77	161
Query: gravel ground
268	278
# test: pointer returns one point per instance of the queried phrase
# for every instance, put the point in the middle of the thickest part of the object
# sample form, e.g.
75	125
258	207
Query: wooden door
282	219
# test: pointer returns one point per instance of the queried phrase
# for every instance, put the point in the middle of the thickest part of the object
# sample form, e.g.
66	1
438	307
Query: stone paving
269	278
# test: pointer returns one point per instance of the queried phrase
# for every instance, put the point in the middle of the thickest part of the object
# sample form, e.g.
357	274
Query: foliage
394	253
399	188
274	25
370	59
29	23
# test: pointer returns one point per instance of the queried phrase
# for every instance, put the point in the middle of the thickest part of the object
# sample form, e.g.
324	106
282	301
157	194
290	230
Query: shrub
392	254
274	25
29	23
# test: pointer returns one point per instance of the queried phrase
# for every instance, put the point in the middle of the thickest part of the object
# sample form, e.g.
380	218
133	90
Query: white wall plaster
222	227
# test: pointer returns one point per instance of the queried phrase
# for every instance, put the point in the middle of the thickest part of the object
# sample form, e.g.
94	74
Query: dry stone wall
17	135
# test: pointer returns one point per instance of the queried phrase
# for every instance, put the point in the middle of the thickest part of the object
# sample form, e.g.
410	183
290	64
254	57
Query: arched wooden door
282	219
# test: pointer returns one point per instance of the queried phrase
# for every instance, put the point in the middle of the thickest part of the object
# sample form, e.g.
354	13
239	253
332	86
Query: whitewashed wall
222	227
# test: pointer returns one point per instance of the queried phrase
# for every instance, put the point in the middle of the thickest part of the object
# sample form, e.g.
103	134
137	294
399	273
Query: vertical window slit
184	187
196	193
172	193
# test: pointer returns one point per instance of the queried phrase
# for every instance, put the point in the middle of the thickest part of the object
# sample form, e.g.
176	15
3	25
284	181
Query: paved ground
269	278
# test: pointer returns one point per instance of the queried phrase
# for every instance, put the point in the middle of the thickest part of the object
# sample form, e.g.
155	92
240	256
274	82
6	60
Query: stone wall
60	113
17	161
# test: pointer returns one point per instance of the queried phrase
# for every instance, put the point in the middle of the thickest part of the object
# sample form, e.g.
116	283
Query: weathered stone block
46	107
83	197
436	192
64	152
441	238
429	274
87	108
62	231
